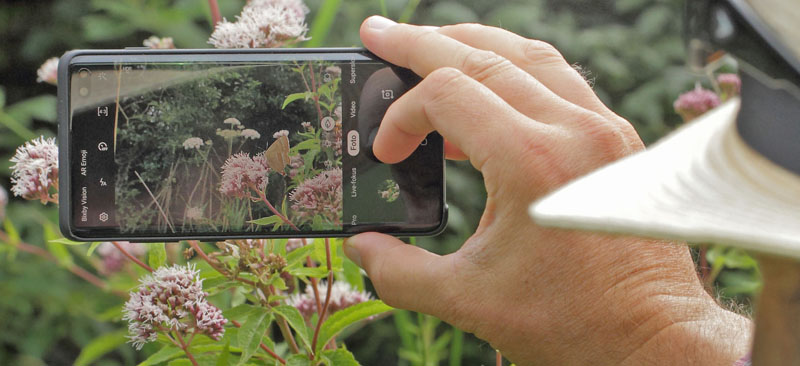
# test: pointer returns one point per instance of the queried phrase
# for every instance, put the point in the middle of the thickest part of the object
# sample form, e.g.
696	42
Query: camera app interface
177	148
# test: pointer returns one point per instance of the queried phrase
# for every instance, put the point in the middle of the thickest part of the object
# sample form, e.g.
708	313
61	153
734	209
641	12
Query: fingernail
377	22
351	252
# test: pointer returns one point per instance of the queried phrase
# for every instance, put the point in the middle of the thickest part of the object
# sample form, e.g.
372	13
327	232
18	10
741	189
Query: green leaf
310	144
299	254
317	272
352	273
295	96
238	313
180	362
42	107
101	28
225	355
2	97
340	357
267	221
100	346
11	231
251	332
92	248
165	354
298	360
343	318
157	255
296	321
61	253
66	241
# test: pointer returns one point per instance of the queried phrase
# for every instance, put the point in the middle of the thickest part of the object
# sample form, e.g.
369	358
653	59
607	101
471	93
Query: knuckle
608	138
537	51
441	84
482	64
541	155
465	27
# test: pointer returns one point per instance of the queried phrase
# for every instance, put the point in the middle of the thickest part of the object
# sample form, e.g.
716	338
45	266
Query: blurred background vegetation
632	50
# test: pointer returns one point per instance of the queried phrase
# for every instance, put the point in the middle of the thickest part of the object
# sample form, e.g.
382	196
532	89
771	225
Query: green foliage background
631	49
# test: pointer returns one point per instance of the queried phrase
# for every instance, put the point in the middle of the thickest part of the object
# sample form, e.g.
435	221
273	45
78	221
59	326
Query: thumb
405	276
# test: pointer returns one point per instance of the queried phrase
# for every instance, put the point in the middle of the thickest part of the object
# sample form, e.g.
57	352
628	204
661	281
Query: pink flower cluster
320	195
113	259
171	299
34	174
263	24
240	172
693	103
159	43
342	296
296	243
48	72
3	203
295	164
730	85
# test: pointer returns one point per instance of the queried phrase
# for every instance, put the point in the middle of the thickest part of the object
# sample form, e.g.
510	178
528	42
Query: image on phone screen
161	147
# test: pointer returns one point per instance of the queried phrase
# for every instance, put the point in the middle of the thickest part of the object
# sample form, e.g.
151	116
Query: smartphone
165	145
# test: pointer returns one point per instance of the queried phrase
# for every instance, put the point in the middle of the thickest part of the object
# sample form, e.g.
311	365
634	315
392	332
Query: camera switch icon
387	94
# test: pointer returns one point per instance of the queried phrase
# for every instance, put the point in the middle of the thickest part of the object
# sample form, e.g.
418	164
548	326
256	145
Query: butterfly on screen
278	155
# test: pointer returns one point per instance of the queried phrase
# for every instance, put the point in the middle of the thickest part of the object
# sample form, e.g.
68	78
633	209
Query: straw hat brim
701	184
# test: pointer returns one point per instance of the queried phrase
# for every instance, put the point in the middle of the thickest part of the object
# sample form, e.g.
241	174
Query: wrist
693	331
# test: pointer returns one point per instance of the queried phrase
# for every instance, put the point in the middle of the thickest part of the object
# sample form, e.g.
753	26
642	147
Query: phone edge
64	143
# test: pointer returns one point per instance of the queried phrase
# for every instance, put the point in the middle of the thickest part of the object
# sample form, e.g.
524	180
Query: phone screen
193	145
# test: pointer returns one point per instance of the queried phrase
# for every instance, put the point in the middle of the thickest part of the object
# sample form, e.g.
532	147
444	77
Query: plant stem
283	325
272	208
314	91
215	15
263	346
327	295
185	348
76	270
131	257
408	12
314	285
196	246
499	358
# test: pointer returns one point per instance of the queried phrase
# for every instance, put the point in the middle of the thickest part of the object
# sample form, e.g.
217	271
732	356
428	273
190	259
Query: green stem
283	325
408	12
13	125
323	22
384	12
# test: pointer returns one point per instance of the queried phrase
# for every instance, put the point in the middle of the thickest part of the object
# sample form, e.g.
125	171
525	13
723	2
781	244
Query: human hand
530	123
